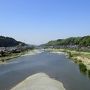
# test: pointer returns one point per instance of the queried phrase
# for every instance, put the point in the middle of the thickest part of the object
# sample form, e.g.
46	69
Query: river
55	65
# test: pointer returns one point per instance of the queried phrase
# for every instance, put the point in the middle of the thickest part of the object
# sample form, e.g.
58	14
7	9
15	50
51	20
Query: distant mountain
9	42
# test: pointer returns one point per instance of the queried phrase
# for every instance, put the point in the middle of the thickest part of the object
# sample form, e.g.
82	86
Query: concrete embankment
39	81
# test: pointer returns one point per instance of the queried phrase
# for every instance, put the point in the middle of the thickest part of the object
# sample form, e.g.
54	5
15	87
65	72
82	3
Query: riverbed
55	65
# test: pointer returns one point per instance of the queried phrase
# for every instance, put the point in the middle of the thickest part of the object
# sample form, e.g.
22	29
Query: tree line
79	41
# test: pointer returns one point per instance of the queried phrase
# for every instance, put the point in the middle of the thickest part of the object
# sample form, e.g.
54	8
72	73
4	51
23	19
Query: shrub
82	67
69	53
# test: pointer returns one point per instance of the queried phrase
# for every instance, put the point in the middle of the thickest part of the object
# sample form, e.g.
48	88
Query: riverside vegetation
12	55
77	48
10	48
81	58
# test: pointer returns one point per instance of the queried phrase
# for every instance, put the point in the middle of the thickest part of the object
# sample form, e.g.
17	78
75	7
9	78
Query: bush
69	53
82	67
80	61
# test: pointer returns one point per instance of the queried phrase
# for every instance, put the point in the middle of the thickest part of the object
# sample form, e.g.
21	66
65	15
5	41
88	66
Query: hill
9	42
72	42
81	41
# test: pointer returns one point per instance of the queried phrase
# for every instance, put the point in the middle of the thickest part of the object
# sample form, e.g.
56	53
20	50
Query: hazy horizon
39	21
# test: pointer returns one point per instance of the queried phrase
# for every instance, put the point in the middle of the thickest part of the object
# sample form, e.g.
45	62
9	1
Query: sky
38	21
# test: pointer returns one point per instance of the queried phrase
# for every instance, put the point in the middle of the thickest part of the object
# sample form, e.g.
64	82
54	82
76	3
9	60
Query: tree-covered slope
80	41
8	42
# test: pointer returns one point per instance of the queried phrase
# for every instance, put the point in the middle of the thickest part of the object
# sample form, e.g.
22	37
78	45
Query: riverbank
11	56
3	60
39	81
79	57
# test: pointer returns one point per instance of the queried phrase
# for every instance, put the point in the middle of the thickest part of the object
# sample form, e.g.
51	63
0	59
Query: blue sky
38	21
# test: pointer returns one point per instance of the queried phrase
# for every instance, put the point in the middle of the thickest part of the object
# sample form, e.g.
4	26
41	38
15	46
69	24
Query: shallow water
56	66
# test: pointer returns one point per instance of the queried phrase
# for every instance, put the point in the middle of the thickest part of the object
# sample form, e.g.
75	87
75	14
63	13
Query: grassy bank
79	57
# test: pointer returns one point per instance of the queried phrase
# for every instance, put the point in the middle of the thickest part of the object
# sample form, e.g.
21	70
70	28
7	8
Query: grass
87	55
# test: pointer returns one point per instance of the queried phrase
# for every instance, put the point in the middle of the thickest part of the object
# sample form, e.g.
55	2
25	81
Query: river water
55	65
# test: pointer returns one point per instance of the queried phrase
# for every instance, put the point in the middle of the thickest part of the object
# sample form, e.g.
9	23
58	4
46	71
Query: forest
79	41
